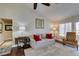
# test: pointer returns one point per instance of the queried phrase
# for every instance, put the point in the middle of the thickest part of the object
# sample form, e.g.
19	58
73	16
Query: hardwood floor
17	51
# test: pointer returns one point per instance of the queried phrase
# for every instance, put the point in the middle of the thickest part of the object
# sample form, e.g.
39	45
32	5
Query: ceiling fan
35	5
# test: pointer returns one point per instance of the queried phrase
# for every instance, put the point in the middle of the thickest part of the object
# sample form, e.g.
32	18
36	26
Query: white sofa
41	43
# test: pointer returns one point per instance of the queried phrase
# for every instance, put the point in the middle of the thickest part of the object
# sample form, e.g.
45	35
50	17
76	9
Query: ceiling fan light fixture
35	5
47	4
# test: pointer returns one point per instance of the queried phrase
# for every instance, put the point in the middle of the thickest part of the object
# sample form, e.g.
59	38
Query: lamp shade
54	29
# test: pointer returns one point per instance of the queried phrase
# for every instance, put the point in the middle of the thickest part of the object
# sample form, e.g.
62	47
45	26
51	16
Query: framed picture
39	23
8	27
1	27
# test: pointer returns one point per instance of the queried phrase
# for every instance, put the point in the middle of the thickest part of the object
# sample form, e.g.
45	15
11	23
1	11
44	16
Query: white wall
30	28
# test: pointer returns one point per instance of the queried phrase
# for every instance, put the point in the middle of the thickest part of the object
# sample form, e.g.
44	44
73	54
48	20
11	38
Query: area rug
55	50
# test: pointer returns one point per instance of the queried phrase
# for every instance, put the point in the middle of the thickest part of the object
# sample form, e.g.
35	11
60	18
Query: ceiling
23	12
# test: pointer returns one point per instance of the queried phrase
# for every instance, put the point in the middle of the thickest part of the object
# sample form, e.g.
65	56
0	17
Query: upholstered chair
71	39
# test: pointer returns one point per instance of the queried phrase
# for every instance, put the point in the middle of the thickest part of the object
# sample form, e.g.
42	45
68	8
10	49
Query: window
63	28
77	28
77	31
68	27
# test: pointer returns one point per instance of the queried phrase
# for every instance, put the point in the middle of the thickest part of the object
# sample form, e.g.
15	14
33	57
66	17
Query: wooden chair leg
77	47
63	43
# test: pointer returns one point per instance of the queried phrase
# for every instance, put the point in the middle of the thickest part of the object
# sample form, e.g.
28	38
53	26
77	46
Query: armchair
71	39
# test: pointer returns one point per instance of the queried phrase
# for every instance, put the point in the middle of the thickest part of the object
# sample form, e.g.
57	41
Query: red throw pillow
49	36
36	37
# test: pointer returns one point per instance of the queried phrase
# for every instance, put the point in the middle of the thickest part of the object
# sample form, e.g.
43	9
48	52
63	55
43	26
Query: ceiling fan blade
35	6
47	4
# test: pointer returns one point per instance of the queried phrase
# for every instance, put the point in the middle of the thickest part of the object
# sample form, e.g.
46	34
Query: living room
25	22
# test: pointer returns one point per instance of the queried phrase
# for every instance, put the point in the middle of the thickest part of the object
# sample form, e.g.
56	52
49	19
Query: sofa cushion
42	36
36	37
42	43
49	36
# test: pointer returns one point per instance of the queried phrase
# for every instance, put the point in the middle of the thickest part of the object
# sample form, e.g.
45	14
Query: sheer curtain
63	28
77	31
